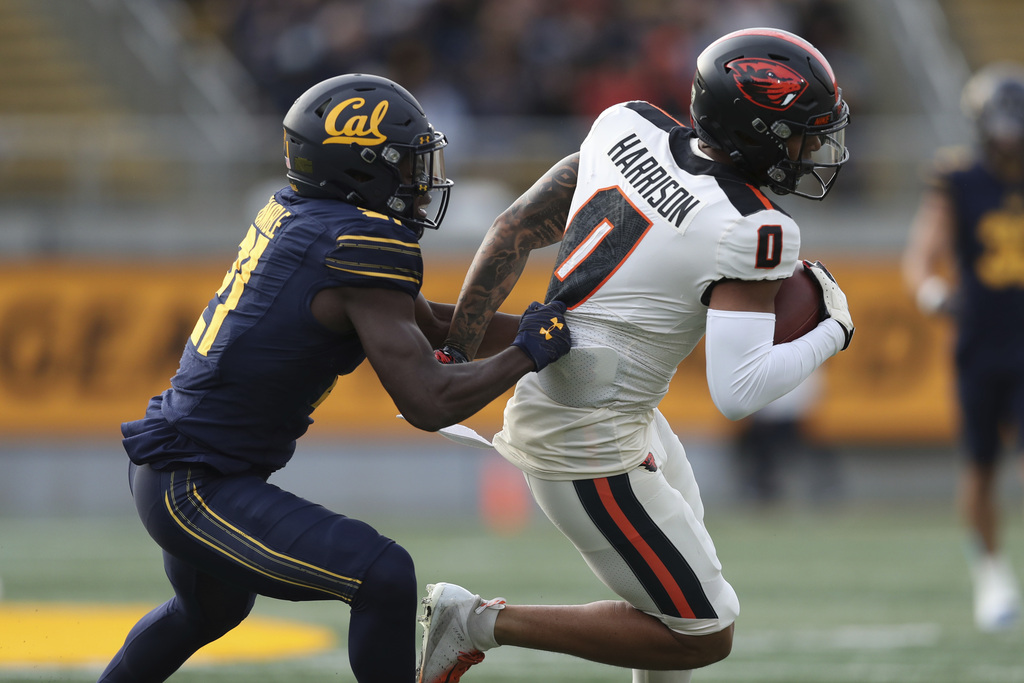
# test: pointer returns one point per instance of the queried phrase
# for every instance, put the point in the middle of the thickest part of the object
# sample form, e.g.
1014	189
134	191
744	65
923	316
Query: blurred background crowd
472	59
493	57
112	102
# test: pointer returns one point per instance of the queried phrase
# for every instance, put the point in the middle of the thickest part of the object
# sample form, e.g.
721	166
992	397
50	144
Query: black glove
446	355
543	334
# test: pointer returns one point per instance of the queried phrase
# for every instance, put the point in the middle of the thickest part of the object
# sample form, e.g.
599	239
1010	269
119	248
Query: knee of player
391	579
717	647
694	652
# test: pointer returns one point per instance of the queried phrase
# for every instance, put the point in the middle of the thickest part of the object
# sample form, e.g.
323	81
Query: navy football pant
991	396
227	539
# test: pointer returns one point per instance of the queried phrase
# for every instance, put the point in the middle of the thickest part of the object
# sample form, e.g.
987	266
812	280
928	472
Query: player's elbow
434	413
731	405
427	418
734	412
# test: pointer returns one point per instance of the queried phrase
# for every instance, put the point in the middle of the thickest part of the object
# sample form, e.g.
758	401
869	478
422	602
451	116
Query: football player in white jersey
666	237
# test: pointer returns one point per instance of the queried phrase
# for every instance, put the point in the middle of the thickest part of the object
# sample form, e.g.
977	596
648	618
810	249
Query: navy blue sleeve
376	252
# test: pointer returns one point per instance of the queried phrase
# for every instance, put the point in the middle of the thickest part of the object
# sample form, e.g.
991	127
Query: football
798	306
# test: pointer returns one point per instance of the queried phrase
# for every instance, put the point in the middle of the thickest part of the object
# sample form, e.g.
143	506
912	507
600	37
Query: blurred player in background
965	257
328	275
665	237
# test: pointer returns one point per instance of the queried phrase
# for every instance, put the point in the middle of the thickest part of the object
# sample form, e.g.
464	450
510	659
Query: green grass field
843	596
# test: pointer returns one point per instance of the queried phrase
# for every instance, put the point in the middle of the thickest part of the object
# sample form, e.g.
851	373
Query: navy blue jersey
989	250
258	362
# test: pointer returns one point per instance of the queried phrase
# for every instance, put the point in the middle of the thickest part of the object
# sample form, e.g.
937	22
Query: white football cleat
996	596
447	650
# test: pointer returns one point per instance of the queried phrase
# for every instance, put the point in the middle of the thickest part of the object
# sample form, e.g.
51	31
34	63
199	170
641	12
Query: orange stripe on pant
652	559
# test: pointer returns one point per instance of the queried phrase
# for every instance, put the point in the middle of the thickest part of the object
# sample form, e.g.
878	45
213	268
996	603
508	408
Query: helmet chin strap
825	186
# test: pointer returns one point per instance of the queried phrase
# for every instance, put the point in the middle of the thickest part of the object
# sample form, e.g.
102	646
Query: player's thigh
670	456
218	605
984	396
1016	405
642	539
252	534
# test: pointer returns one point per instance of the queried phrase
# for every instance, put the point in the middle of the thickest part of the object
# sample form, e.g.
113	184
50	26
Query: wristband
446	355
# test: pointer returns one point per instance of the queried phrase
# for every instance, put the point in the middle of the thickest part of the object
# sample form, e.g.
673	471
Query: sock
480	623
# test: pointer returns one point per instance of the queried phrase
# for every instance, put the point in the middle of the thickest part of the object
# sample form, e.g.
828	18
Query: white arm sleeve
746	371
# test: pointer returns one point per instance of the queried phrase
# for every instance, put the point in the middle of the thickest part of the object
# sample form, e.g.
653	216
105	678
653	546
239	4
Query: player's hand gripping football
543	334
833	298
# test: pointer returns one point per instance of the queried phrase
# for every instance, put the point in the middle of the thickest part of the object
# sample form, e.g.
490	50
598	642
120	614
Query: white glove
833	297
933	295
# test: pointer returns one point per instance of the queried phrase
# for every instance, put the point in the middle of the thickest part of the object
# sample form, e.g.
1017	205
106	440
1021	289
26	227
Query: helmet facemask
422	194
822	153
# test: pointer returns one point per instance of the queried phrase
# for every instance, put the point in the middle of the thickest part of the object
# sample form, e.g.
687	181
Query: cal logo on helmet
767	83
361	127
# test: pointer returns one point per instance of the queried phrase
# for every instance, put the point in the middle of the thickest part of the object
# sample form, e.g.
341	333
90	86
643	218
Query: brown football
798	306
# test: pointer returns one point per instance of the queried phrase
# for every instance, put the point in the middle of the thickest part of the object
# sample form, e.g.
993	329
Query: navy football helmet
365	140
994	99
753	91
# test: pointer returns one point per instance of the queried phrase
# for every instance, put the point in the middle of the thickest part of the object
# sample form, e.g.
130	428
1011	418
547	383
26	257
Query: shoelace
496	603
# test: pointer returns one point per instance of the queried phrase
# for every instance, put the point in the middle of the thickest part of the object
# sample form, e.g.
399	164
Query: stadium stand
987	30
196	76
86	120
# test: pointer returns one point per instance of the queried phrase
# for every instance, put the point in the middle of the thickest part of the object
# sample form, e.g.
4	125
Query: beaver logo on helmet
767	83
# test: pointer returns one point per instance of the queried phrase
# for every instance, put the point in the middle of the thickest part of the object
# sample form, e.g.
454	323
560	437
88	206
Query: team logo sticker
361	127
767	83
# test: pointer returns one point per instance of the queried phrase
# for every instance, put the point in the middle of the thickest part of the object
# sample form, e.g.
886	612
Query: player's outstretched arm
429	394
435	319
535	220
929	253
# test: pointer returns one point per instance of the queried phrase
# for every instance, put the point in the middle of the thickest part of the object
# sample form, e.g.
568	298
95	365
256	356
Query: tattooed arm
535	220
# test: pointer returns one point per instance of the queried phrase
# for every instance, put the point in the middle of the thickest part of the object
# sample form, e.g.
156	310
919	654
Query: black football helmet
753	91
994	99
365	140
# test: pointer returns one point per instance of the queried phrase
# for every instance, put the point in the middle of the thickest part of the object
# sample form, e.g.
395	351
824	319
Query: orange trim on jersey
760	195
666	114
675	593
605	220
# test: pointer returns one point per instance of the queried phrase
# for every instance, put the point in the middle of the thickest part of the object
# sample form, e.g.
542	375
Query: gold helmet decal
359	129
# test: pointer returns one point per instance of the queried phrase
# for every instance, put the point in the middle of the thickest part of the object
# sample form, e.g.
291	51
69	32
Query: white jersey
653	226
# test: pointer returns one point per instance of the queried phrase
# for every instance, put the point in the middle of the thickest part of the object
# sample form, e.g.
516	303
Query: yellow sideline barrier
83	345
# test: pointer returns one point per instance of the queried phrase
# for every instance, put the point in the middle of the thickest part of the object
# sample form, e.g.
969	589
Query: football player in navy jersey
665	238
965	257
328	275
